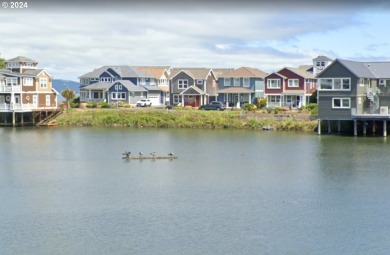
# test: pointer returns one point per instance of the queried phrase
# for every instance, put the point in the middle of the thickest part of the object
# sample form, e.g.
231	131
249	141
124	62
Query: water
67	191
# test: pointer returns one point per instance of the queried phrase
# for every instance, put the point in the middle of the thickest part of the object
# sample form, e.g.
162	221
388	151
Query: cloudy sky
72	37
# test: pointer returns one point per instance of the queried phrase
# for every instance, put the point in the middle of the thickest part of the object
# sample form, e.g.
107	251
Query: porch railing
10	88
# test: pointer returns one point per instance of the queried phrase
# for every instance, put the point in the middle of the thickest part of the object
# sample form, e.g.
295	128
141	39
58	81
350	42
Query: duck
170	154
153	154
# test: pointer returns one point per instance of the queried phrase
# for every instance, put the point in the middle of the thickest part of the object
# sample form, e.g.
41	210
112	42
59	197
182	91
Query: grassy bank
178	119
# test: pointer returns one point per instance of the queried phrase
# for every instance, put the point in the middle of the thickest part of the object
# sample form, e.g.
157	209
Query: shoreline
187	118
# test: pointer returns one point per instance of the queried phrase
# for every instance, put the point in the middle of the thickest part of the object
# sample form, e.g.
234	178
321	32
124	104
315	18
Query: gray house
357	92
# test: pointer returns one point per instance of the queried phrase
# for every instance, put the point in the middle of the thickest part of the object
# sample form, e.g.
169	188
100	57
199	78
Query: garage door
155	99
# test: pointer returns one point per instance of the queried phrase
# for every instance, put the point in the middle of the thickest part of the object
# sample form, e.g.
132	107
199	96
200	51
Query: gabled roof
278	74
130	86
322	58
34	72
21	59
246	72
98	86
192	90
122	71
196	73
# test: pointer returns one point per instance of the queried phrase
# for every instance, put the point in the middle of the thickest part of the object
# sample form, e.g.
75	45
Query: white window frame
226	82
293	83
334	84
12	81
199	82
182	83
274	98
177	98
271	86
105	79
342	105
48	100
28	81
236	82
246	82
43	83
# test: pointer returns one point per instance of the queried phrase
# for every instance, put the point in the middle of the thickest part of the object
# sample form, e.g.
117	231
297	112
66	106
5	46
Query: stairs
50	119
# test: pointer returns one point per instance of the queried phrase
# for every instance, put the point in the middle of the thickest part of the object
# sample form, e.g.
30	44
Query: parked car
144	102
214	105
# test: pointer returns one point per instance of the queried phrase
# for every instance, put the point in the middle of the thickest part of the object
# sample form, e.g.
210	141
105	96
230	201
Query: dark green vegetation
186	118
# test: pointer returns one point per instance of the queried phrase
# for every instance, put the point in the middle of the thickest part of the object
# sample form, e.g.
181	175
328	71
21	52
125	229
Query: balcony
22	107
16	88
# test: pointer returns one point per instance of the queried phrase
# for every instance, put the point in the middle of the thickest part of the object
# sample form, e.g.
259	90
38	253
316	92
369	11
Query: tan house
24	89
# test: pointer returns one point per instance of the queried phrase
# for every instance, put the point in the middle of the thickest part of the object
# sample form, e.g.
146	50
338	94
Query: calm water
67	191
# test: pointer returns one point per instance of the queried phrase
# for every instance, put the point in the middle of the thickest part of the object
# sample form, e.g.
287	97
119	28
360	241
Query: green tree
2	63
69	95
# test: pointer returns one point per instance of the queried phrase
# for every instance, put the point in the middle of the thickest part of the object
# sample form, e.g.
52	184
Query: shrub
103	105
311	106
261	102
277	109
91	105
249	107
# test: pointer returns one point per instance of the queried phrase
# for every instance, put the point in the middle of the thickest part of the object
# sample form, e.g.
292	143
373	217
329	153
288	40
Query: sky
71	38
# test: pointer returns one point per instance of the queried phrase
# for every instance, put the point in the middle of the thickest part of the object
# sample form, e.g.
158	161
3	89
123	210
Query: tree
68	94
2	63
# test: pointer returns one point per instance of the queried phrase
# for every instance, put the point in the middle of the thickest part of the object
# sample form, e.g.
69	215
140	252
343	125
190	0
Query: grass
175	119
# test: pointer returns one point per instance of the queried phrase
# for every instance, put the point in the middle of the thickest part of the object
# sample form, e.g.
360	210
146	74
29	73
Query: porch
236	97
193	96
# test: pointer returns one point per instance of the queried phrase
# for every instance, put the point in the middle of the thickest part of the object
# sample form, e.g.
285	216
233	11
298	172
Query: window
226	82
43	83
118	87
274	99
236	81
28	81
142	81
246	82
177	99
13	81
335	84
199	82
183	84
273	84
293	83
340	103
105	79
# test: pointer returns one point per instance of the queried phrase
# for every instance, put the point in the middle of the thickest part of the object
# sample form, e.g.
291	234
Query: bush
277	109
249	107
311	106
91	105
261	102
103	105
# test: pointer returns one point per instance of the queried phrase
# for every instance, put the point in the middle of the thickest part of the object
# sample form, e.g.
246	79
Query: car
144	102
214	105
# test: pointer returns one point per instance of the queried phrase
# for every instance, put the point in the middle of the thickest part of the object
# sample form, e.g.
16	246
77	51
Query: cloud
71	43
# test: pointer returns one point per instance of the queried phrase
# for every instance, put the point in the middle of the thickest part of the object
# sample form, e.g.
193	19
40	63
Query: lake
68	191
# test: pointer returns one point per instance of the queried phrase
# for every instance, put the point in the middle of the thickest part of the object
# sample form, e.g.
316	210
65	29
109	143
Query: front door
2	99
47	100
35	101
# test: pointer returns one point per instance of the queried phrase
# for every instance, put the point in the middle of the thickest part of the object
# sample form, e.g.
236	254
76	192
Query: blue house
242	85
119	83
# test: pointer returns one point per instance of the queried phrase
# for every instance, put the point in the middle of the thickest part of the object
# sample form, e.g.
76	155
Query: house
320	63
101	85
24	90
242	85
290	87
192	86
161	74
119	91
357	92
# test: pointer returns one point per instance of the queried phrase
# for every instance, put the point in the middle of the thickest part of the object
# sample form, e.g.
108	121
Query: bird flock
141	154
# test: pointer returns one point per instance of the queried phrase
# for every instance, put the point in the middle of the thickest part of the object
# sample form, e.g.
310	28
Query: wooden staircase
49	120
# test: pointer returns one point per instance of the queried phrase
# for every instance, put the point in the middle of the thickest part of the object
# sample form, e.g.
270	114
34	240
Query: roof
322	58
236	90
301	72
244	72
192	90
21	59
278	74
220	71
155	71
360	69
152	88
122	71
106	85
33	72
200	73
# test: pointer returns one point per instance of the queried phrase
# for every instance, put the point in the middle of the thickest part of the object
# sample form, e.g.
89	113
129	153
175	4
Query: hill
60	85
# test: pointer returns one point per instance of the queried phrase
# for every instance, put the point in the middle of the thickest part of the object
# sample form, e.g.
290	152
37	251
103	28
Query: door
47	100
35	101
